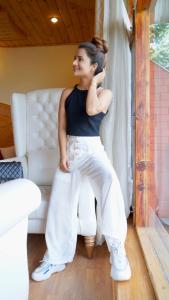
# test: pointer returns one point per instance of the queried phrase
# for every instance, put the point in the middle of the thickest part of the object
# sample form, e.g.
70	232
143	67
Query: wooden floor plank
89	279
139	287
156	255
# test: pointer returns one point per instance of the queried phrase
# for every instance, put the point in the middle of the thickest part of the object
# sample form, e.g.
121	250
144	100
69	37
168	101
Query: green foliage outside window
159	44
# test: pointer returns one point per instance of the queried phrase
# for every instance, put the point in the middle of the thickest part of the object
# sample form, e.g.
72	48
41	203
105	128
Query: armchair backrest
35	119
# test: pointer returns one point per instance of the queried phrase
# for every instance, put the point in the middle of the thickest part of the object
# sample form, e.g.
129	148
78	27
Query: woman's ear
95	65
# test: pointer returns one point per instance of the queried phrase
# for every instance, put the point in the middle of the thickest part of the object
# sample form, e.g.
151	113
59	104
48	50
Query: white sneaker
45	270
120	269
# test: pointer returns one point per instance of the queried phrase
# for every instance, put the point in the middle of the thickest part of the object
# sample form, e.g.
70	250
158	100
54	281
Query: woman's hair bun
100	43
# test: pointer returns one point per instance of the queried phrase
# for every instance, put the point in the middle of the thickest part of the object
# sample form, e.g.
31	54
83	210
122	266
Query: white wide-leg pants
86	156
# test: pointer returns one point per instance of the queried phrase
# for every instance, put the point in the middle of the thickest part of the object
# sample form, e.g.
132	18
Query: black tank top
79	123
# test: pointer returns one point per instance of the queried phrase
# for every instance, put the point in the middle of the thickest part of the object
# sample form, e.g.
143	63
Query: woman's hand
64	164
99	77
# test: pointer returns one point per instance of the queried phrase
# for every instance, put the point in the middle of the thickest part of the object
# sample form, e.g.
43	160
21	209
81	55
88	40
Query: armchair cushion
41	212
17	207
42	165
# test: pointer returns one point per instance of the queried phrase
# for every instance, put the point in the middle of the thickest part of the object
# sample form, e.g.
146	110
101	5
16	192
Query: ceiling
26	22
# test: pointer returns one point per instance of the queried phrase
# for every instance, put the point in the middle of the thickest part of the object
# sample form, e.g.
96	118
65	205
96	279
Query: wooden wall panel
6	133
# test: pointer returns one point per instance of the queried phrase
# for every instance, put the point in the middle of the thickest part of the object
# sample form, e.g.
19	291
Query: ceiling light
54	20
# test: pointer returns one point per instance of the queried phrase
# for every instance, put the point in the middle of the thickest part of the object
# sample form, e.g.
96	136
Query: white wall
28	68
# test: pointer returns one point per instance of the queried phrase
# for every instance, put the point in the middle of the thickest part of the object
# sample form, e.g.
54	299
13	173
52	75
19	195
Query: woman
81	111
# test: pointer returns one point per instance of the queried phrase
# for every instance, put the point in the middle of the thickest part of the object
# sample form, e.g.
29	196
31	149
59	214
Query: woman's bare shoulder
103	91
65	93
106	90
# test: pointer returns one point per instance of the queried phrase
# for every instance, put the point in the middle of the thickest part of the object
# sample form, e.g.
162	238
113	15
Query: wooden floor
85	279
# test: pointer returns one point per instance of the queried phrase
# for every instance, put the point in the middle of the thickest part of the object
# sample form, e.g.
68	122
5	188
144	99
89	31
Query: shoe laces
44	264
117	249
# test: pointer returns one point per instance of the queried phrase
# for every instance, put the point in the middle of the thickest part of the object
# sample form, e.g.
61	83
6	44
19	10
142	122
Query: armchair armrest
23	161
18	198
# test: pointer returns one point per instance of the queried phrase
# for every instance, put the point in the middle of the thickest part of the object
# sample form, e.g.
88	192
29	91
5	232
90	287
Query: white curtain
112	23
162	11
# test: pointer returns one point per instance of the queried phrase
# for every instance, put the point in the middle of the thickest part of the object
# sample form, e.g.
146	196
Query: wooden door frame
144	187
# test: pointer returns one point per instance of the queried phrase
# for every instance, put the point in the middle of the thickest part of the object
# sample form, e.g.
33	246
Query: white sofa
35	119
18	198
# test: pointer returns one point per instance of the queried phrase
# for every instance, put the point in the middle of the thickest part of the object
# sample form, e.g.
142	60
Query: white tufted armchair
35	117
18	198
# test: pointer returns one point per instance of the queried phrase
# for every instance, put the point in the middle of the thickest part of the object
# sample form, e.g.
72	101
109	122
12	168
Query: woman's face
81	64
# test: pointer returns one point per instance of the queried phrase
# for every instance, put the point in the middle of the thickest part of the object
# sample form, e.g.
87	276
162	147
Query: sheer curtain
162	11
112	23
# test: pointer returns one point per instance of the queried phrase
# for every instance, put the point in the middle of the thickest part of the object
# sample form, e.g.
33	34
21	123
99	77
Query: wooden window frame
144	187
